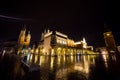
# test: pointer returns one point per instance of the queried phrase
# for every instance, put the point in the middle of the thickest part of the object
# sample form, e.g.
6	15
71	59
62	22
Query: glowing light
84	46
37	50
108	34
52	52
43	50
42	60
63	35
71	58
59	51
32	50
36	58
48	34
84	41
105	60
31	57
80	67
77	42
28	57
104	52
51	64
70	42
3	52
61	40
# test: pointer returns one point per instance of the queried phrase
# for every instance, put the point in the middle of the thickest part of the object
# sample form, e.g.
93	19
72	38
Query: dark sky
76	19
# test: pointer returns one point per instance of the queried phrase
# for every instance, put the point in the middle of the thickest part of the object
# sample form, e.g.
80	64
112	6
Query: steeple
45	31
28	32
48	30
84	41
28	35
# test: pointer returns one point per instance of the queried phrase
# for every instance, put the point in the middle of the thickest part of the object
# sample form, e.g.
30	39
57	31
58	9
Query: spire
28	32
48	30
84	40
24	28
28	35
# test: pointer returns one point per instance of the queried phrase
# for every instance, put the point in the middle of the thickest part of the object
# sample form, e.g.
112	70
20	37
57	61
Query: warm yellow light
48	34
36	58
71	58
37	50
32	50
108	34
31	57
42	60
76	43
51	64
58	60
84	46
63	35
52	52
43	50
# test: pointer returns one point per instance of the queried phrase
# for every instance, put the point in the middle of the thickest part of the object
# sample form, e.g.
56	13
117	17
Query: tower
22	36
109	41
24	39
27	39
84	43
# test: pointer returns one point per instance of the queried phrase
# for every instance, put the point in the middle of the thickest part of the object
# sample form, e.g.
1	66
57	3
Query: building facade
57	43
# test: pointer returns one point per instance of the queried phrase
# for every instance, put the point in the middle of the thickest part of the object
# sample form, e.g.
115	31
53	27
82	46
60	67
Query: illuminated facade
57	43
24	39
109	41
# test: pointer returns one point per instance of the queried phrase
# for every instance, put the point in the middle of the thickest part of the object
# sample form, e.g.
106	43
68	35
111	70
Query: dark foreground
84	67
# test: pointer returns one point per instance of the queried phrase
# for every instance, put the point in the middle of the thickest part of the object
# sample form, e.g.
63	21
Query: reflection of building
24	40
56	43
109	41
101	50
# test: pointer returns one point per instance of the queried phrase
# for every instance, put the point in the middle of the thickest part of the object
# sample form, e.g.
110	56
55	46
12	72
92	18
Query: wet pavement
84	67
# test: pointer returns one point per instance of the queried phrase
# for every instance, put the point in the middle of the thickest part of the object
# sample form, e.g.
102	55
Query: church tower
27	39
109	41
24	39
22	36
84	43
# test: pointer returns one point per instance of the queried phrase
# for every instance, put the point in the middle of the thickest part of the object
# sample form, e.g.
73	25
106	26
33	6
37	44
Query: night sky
76	19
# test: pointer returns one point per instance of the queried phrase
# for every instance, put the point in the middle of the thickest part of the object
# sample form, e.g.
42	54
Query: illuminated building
57	43
24	39
109	41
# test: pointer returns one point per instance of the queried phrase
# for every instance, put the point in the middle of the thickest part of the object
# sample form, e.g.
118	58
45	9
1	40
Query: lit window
61	41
